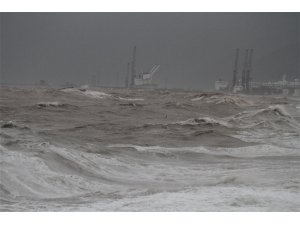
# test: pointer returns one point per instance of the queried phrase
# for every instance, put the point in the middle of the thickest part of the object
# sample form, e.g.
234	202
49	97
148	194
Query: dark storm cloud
193	49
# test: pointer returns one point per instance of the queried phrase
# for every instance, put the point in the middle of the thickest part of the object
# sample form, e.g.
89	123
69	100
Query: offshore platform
142	80
246	85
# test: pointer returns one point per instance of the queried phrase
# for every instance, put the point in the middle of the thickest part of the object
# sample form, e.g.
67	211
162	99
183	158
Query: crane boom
154	69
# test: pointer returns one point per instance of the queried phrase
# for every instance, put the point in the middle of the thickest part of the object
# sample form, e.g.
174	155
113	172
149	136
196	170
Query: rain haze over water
193	49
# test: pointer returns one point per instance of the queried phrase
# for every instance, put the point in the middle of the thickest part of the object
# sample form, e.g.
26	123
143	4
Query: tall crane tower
127	84
245	69
248	71
133	72
235	69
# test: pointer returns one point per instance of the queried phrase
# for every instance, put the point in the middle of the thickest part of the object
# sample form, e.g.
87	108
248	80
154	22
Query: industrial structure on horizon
142	80
247	85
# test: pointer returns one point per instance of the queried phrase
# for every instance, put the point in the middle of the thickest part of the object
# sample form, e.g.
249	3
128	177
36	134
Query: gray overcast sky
193	49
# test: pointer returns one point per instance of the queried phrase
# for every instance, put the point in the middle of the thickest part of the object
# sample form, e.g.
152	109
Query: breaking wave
88	93
272	117
12	124
119	150
123	173
203	121
131	99
221	99
99	95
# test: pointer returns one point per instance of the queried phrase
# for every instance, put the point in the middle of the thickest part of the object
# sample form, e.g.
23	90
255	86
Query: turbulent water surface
139	150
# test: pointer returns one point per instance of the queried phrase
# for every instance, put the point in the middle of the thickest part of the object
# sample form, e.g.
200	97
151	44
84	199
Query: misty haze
150	111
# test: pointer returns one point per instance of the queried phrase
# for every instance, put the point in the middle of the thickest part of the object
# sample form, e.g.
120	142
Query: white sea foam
131	99
204	199
249	151
49	167
96	94
88	93
54	104
203	120
49	172
226	99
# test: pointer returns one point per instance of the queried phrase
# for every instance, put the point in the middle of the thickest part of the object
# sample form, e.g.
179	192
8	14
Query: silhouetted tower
235	69
245	69
133	73
127	75
248	71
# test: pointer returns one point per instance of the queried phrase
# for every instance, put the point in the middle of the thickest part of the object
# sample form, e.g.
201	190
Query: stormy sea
114	149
